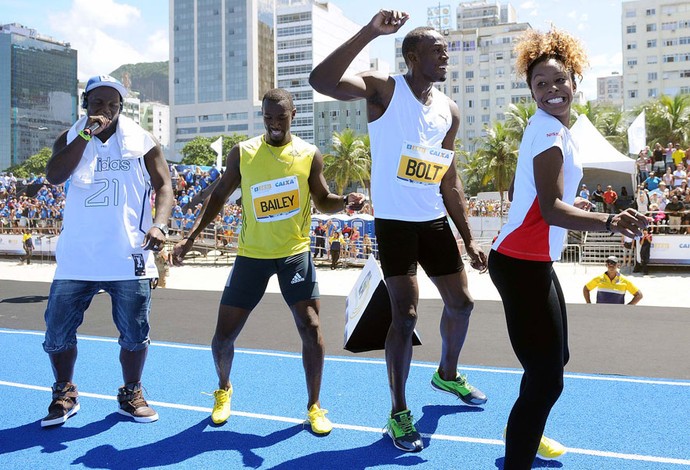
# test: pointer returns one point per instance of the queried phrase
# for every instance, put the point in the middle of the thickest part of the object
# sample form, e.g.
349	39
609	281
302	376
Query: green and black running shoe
459	388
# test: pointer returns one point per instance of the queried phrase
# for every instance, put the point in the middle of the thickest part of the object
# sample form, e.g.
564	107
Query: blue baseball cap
106	80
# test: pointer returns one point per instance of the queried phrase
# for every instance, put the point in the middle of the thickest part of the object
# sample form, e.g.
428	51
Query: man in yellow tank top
279	175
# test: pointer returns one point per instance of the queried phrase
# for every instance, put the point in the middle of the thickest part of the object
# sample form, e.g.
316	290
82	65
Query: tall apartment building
610	90
483	13
38	92
155	118
223	61
307	32
656	49
481	77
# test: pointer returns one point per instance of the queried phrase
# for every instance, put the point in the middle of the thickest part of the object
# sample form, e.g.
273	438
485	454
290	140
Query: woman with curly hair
543	206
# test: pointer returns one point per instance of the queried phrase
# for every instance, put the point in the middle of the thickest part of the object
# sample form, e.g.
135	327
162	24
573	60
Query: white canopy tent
601	162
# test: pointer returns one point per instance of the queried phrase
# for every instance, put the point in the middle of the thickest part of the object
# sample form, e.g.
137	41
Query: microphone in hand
92	128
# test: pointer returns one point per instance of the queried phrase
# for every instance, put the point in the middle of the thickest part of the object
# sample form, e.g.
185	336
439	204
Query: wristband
345	201
608	223
84	136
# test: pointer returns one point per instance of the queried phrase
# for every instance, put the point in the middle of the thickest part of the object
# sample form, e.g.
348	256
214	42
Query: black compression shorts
404	244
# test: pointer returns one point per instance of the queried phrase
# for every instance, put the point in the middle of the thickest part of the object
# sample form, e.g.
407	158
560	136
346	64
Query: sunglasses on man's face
610	263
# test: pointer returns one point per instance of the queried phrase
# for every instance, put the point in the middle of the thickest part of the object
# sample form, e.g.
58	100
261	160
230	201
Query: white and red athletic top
527	235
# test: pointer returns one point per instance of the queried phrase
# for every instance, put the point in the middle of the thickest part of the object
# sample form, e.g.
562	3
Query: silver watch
162	227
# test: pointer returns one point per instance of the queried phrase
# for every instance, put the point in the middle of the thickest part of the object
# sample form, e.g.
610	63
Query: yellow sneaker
221	408
317	418
550	449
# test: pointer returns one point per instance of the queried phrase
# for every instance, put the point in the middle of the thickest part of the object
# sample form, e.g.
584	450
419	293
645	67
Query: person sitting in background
628	248
658	217
674	212
366	244
668	177
611	286
678	155
642	200
653	181
644	164
598	198
584	192
679	175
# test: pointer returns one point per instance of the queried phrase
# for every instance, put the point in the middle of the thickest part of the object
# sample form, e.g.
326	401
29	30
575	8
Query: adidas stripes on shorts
249	277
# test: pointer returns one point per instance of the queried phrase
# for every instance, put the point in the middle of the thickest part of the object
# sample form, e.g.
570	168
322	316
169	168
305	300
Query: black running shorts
404	244
249	277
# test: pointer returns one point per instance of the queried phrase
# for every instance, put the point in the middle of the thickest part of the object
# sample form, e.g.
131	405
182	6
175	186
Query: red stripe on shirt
531	239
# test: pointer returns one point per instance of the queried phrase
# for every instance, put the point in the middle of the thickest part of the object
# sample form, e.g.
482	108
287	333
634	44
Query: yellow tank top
276	202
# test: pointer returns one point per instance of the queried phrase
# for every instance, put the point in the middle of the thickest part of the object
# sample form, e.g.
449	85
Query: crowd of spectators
190	182
30	203
487	207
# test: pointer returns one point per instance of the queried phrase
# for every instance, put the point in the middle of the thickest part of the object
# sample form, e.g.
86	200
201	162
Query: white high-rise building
307	32
156	120
656	49
610	89
222	62
482	13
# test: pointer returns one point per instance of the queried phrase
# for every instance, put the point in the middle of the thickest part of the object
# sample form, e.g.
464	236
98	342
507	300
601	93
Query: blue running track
607	422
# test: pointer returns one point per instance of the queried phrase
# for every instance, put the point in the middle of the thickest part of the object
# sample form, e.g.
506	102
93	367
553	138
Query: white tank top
407	159
104	225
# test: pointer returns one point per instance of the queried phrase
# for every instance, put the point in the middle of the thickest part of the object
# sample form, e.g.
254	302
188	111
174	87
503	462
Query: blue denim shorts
69	300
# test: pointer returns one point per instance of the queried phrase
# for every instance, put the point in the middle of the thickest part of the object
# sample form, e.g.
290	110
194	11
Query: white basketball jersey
104	225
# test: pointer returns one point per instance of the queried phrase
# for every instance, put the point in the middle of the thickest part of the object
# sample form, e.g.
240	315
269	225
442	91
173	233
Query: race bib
421	166
275	200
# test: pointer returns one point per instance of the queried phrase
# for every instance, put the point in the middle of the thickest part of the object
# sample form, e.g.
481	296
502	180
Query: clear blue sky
109	33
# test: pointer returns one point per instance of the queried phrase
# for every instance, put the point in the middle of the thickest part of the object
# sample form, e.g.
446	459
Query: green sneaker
459	388
401	429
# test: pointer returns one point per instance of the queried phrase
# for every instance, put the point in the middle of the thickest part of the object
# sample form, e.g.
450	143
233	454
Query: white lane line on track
372	361
350	427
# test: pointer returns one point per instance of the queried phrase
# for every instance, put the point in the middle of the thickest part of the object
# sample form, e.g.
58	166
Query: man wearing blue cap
107	241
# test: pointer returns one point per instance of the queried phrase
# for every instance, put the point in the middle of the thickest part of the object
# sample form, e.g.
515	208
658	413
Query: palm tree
668	119
613	125
498	152
349	161
517	118
471	173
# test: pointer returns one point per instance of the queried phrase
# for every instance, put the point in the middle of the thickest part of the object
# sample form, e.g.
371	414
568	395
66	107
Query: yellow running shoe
549	449
317	418
221	408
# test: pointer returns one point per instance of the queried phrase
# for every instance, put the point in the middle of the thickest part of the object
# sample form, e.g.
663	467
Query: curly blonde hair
534	46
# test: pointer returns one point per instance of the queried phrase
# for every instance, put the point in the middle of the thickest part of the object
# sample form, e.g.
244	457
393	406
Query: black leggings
537	326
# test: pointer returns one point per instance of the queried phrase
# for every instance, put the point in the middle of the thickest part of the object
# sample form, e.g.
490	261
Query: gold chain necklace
293	152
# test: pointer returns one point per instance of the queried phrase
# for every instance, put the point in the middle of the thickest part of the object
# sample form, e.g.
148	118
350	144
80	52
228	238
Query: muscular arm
64	159
329	77
160	179
454	197
548	176
216	200
585	292
636	298
324	200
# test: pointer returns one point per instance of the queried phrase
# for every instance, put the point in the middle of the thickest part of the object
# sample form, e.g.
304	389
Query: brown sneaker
133	404
64	405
